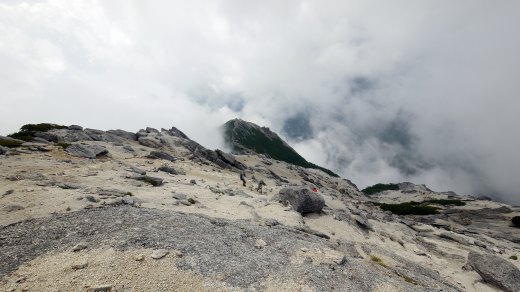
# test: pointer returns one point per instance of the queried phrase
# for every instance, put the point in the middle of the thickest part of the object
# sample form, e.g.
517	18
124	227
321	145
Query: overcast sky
379	91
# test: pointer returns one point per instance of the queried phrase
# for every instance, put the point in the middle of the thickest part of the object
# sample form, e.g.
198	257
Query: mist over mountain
377	92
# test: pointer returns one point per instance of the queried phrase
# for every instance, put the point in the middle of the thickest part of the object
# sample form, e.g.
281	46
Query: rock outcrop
496	271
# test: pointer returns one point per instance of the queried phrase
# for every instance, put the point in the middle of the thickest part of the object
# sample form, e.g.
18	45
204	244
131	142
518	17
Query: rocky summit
90	210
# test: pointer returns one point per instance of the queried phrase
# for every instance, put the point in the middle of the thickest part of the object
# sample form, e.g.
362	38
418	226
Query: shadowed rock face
301	199
496	271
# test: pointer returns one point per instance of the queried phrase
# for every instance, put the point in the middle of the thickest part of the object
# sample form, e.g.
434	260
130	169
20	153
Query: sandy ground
32	182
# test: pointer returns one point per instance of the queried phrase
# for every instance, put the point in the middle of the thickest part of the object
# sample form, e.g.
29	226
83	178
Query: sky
378	91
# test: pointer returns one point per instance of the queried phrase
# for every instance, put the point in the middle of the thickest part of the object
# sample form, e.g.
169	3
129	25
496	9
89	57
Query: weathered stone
100	288
179	196
3	150
123	134
362	222
301	199
271	222
171	170
260	243
75	128
457	238
139	257
154	181
47	136
159	253
136	170
128	148
161	155
79	246
496	271
13	208
91	198
149	142
422	228
80	265
87	151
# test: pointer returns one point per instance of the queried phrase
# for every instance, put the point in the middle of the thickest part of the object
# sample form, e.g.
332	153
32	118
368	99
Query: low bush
27	132
446	202
63	145
410	208
377	188
513	257
378	261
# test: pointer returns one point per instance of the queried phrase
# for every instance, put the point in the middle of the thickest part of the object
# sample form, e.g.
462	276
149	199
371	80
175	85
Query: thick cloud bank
379	91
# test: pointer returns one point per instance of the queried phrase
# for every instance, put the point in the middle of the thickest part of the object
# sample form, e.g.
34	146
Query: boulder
75	128
68	136
496	271
3	150
171	170
149	142
457	238
87	151
98	135
123	134
51	137
154	181
161	155
301	199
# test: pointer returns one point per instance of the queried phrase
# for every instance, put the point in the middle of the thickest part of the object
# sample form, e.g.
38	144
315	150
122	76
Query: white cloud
401	90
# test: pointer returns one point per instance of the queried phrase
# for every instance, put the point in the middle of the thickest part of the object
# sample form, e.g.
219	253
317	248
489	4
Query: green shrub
410	208
446	202
27	132
192	201
63	145
378	261
513	257
377	188
516	221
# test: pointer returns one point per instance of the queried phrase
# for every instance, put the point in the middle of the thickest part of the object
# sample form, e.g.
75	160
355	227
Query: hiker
243	178
260	184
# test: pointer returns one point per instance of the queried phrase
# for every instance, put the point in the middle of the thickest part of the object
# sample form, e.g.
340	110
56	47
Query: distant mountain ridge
244	137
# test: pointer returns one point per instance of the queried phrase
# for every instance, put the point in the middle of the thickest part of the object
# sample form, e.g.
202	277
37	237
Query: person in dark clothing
260	184
243	178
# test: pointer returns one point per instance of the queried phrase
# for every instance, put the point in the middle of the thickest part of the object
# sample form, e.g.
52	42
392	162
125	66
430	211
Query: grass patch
409	208
378	261
516	221
63	145
409	280
377	188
